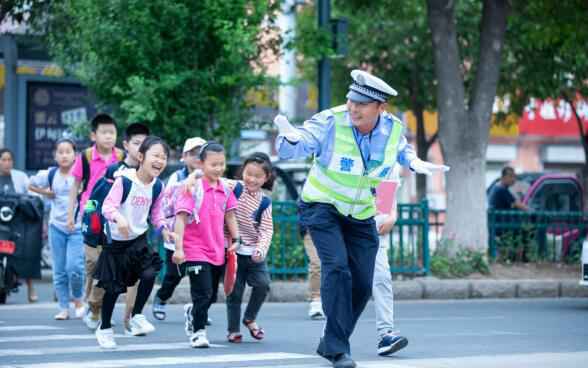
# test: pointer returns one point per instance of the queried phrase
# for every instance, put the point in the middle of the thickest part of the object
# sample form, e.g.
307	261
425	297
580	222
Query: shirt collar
207	187
96	156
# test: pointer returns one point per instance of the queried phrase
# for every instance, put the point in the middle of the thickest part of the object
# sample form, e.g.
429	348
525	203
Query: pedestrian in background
67	246
17	182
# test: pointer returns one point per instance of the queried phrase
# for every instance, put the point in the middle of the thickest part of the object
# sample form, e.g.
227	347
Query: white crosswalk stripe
163	361
88	336
96	349
29	328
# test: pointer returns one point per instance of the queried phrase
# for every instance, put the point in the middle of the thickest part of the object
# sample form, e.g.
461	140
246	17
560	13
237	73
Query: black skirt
121	264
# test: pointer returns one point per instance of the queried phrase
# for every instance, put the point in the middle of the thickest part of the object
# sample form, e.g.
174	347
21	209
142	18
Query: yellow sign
508	128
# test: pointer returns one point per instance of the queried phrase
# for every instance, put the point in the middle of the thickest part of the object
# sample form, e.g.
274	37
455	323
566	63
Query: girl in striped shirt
254	216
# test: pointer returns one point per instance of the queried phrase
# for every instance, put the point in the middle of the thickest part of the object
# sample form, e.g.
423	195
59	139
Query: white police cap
368	88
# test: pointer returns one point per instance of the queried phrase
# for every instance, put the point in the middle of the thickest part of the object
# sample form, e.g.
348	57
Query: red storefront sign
553	118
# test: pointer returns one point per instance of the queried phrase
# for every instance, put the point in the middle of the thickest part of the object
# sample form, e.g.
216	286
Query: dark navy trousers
347	248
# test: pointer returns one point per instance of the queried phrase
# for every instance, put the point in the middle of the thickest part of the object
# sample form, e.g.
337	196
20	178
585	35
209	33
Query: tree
184	66
465	111
547	58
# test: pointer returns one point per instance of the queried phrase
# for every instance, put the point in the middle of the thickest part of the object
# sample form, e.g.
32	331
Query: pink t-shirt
204	241
97	169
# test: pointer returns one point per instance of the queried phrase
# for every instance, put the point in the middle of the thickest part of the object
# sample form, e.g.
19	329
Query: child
175	273
389	341
134	136
134	198
90	165
200	242
189	158
67	247
256	231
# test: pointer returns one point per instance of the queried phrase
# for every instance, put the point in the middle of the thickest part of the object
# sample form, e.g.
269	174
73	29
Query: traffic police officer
355	146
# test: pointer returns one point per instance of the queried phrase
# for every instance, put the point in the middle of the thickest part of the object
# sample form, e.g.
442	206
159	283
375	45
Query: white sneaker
188	326
79	312
199	340
139	326
315	311
105	338
91	322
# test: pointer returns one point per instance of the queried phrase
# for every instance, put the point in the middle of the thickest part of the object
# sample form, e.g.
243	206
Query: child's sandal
257	333
235	337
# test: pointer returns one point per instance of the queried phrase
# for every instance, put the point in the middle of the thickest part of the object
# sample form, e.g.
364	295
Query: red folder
386	196
230	272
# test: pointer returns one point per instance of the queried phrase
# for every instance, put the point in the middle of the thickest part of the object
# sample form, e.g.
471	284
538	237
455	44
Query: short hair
5	150
507	170
136	129
102	119
210	147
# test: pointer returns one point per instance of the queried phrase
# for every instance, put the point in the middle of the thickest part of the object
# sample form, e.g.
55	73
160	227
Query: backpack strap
238	189
120	154
263	205
182	174
51	176
157	189
127	185
86	159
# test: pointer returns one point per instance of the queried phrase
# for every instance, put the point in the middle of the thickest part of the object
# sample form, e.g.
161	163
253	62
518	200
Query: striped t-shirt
252	237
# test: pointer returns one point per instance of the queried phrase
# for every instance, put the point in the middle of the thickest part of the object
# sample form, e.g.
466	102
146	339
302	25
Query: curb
425	288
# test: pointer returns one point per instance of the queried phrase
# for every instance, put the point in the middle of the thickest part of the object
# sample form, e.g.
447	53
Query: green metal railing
408	254
409	240
536	235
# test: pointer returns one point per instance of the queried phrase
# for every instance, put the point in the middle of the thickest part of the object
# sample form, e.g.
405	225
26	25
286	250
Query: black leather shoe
343	361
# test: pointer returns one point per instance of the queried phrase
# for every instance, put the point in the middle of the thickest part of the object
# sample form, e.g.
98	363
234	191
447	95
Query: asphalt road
474	333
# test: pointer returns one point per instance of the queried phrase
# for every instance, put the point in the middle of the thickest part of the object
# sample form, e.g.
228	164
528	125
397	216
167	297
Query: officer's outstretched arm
423	167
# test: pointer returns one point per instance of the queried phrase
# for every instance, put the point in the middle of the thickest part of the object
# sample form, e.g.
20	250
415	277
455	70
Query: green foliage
466	261
184	65
545	54
391	38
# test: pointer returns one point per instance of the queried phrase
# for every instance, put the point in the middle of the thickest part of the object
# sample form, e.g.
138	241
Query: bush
463	263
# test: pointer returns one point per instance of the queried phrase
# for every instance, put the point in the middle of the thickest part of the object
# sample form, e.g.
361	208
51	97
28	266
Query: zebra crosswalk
38	346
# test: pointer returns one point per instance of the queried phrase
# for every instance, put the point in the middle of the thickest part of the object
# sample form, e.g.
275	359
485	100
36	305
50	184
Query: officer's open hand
286	129
423	167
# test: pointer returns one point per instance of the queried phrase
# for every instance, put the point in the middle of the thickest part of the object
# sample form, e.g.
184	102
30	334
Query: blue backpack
94	226
263	205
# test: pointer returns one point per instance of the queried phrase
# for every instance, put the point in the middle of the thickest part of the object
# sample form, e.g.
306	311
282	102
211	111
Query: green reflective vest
345	182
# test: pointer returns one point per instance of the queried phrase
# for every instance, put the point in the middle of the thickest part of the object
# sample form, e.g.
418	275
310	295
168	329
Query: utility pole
288	92
324	67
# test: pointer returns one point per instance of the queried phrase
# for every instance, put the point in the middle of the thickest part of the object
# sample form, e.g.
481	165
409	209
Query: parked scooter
8	277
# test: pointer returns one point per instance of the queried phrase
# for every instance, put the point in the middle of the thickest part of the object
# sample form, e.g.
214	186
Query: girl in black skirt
134	198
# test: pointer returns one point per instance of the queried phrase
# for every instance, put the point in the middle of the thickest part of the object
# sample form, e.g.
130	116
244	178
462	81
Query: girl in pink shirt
134	198
200	239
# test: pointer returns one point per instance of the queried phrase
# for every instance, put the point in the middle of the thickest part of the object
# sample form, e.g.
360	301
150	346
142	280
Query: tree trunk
464	129
584	142
422	150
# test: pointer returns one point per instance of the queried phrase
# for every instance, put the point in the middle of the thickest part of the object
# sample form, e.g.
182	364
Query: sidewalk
420	288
